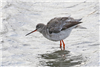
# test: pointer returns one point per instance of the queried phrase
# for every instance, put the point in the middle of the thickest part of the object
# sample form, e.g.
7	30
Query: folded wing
56	25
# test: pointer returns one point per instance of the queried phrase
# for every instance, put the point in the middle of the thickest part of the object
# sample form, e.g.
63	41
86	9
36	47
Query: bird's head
39	28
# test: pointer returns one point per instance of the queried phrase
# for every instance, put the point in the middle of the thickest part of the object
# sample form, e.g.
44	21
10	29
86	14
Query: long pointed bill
30	32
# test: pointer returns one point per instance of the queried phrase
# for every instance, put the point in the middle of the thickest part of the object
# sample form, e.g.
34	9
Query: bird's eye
38	26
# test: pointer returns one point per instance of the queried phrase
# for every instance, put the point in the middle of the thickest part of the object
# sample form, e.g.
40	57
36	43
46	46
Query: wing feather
58	24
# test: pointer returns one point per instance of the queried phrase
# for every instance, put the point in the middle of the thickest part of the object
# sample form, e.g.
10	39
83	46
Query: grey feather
58	24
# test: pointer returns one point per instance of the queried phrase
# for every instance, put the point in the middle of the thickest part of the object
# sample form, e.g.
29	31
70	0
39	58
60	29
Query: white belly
59	36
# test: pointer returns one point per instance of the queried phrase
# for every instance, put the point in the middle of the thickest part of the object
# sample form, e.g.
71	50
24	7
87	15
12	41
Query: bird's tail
80	27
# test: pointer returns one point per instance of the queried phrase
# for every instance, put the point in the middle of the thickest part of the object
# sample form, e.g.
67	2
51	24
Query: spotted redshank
57	29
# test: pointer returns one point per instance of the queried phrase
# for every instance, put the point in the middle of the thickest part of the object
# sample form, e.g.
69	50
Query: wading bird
57	29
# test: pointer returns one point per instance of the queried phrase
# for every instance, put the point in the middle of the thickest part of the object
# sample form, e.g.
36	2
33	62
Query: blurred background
20	18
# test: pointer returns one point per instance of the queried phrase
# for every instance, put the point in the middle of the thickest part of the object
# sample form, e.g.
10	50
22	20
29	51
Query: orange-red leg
63	45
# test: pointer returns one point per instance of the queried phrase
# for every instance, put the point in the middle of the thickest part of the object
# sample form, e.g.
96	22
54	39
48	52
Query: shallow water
20	18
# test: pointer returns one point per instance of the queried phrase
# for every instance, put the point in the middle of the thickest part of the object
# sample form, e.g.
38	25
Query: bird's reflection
61	58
